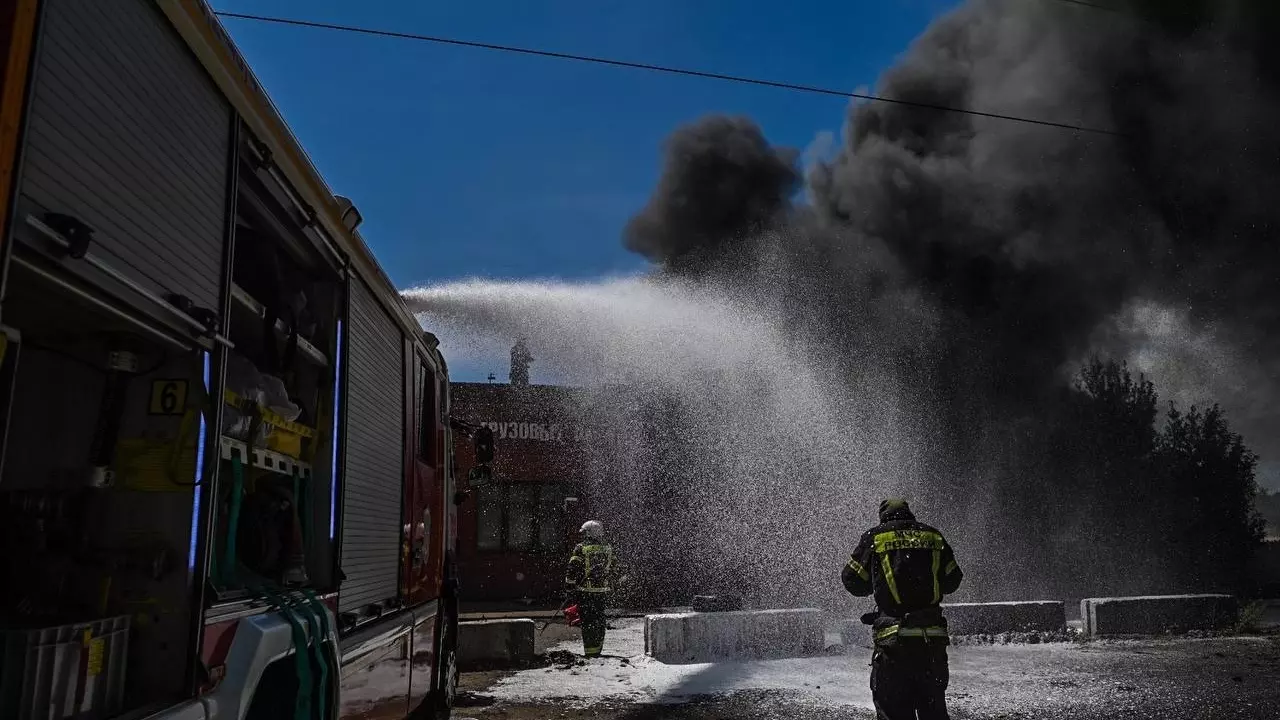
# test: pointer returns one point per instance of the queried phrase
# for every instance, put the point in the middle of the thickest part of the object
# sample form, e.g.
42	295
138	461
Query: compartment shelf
264	459
251	304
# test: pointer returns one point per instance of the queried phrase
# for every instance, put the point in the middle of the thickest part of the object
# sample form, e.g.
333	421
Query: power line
1095	6
657	68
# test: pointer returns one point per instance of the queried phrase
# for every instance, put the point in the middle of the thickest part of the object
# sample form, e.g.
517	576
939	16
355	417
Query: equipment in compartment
75	670
278	390
121	367
44	537
99	486
256	404
262	513
267	496
285	302
245	300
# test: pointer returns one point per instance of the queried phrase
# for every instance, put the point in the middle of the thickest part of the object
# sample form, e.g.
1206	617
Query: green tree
1208	490
1117	413
1113	438
1173	503
1112	500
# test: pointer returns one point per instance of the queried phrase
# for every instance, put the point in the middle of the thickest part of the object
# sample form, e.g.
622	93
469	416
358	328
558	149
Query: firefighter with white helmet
592	572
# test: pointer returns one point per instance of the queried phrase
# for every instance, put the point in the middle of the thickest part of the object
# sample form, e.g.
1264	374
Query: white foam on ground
1007	680
829	680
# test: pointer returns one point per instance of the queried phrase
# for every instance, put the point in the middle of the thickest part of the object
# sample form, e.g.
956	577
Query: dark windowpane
521	506
523	516
489	518
551	519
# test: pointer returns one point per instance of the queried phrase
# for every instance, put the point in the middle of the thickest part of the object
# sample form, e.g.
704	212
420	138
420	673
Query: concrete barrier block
495	644
684	638
1158	614
1003	617
1044	616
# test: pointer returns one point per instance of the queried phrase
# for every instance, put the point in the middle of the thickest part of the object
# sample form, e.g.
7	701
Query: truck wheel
447	692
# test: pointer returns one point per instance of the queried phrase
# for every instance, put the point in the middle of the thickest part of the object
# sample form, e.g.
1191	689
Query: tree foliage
1173	502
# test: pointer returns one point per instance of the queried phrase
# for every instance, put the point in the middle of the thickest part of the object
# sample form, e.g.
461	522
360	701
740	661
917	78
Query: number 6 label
168	397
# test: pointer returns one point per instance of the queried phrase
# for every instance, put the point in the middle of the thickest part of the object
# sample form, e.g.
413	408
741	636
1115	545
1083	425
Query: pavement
1164	679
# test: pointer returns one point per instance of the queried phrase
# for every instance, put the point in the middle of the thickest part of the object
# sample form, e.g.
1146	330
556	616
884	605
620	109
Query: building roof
491	402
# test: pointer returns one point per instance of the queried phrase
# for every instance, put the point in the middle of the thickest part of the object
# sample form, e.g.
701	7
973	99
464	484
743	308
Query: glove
870	618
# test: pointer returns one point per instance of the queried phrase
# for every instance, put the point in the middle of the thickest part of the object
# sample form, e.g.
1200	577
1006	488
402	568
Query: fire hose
566	610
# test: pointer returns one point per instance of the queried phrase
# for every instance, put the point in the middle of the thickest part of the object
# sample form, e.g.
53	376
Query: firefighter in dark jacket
907	567
589	582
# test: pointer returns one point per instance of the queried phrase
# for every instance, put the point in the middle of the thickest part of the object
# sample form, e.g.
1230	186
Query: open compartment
275	507
101	482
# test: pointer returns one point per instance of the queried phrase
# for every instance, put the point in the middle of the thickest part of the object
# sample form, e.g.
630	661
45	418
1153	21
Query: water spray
726	459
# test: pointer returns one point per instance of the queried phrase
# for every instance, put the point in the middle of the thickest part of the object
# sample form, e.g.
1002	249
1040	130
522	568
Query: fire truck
227	486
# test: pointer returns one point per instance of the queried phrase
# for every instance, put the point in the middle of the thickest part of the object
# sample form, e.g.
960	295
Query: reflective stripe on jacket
905	565
591	568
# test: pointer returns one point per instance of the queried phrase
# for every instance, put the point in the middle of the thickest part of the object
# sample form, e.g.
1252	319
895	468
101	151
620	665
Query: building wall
514	536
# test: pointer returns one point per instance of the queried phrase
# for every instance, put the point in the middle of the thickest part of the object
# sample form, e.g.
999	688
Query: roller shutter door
128	133
374	478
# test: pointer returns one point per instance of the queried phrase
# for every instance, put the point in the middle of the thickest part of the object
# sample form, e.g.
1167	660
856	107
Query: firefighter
907	567
589	583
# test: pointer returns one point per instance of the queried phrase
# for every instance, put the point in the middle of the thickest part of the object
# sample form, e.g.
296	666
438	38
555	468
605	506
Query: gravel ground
1162	679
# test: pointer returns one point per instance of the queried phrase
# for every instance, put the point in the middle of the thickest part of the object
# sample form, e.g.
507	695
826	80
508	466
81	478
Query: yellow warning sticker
96	651
150	465
168	397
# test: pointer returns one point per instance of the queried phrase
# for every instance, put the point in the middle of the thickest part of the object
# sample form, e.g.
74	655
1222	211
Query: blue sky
469	162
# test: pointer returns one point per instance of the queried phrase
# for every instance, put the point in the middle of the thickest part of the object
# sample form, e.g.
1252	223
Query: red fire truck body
227	487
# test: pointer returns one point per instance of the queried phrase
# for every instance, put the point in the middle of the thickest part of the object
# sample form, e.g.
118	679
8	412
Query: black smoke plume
987	256
723	185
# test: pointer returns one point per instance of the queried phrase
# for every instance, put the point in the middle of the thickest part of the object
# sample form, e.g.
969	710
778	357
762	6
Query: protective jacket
908	567
905	565
592	568
589	580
